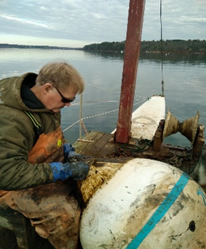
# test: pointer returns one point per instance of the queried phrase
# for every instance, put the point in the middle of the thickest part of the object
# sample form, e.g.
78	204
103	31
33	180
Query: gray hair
60	75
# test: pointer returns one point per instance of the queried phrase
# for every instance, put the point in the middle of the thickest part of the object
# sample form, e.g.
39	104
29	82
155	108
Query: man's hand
76	170
69	151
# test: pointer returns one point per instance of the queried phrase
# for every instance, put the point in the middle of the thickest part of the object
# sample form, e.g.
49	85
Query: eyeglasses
64	100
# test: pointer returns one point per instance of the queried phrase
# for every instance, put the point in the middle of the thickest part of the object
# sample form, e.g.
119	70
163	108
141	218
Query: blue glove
69	151
75	170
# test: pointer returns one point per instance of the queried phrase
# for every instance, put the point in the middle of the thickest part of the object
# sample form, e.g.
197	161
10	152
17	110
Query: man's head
61	76
57	85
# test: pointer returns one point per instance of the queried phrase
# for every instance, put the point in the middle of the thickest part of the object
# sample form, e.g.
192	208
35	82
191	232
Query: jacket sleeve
16	140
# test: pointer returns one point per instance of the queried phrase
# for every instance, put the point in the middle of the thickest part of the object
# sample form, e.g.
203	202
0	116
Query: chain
177	160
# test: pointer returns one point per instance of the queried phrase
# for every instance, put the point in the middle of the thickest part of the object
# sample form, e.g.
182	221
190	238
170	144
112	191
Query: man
33	152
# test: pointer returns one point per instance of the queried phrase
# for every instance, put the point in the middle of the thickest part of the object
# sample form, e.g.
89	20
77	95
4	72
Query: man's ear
47	87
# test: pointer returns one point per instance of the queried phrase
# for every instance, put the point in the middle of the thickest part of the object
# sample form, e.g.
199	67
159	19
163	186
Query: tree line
166	46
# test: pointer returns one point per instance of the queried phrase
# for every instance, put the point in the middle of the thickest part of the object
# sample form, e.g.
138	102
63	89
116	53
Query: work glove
75	170
69	151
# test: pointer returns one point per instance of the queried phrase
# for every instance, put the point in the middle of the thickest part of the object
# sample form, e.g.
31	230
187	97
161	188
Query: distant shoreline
147	47
7	45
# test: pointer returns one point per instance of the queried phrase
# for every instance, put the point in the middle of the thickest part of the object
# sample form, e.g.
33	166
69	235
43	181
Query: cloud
23	21
90	21
180	19
193	20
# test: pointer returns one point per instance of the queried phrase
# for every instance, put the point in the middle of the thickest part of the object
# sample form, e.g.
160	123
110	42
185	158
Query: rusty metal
131	57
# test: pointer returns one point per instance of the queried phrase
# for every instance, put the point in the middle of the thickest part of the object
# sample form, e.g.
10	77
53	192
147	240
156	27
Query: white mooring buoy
147	204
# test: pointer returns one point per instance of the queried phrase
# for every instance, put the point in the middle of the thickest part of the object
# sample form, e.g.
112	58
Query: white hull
146	118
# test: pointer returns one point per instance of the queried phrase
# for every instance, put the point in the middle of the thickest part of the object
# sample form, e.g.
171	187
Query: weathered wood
97	144
86	141
199	142
101	145
158	138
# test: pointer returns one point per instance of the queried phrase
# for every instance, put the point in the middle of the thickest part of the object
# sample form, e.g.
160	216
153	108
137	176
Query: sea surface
184	78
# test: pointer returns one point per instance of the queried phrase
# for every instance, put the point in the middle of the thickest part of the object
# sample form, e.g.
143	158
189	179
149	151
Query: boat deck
102	146
96	144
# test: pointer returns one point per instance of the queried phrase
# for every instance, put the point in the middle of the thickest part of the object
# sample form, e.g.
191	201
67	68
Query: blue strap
160	212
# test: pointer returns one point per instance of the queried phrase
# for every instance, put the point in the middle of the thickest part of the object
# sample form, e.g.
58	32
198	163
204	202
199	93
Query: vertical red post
131	57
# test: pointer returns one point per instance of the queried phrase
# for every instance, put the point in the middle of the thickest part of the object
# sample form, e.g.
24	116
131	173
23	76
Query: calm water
184	84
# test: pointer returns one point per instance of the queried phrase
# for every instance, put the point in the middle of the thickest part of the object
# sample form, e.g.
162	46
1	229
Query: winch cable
161	42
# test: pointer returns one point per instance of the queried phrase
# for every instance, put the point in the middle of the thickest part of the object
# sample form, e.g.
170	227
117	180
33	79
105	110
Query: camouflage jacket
18	136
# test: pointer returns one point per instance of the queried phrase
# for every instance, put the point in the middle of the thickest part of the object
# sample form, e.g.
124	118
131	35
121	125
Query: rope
143	98
103	88
161	47
88	117
138	148
94	116
71	125
80	117
94	102
80	121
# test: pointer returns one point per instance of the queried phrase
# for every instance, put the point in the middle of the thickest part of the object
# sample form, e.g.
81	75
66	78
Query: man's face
55	98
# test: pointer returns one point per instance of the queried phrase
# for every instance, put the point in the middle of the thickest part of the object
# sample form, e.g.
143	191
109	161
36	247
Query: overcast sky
75	23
